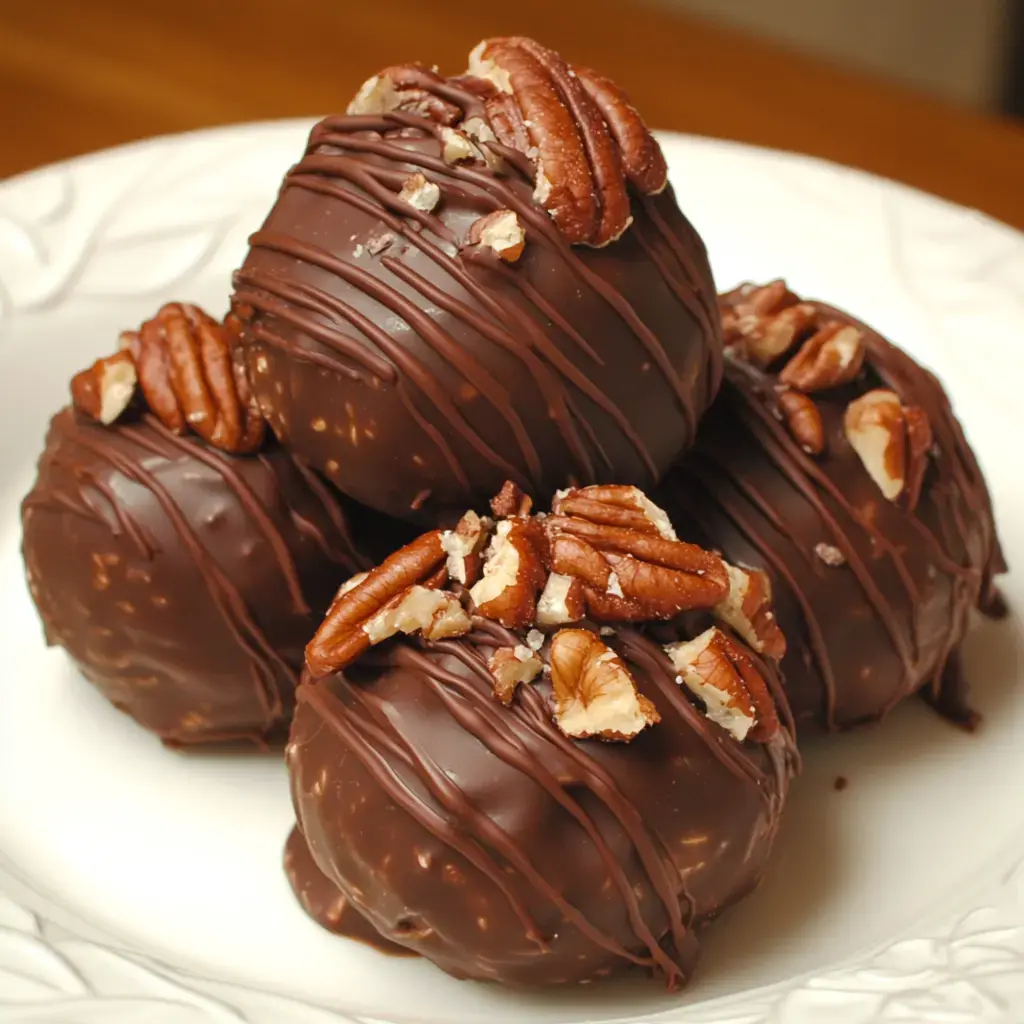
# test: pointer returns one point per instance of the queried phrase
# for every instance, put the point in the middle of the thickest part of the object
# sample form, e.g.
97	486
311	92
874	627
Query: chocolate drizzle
473	371
183	580
888	620
540	830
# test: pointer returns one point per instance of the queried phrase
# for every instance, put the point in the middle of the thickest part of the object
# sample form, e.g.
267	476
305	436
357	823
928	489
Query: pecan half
720	673
764	322
892	441
594	692
464	547
748	609
803	418
511	666
634	572
501	232
513	574
191	377
105	390
832	356
400	595
585	138
615	505
642	158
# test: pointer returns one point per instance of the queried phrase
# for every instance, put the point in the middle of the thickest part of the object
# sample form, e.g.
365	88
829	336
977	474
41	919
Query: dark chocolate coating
864	634
481	837
184	582
420	378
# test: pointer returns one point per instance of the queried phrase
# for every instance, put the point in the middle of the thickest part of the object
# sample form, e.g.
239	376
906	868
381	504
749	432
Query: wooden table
77	76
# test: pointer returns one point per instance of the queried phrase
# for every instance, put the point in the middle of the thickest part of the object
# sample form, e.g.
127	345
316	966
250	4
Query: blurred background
926	91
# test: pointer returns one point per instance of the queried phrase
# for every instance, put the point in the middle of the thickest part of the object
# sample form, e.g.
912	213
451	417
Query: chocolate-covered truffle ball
184	581
834	461
473	279
481	835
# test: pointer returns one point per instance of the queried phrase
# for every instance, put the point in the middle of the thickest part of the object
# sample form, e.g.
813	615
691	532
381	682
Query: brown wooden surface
77	75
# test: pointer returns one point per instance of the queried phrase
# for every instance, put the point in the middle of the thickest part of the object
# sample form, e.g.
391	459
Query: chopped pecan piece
501	232
594	692
803	418
405	87
400	595
511	666
832	356
510	501
561	602
513	575
105	391
464	547
748	609
419	193
892	441
720	673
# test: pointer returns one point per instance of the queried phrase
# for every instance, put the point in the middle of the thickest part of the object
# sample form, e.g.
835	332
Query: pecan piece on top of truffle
184	364
401	595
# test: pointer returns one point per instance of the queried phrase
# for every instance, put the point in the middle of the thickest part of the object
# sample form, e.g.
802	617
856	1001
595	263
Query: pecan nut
105	390
400	595
585	138
892	441
748	609
717	671
464	547
594	692
762	323
510	666
629	573
803	418
191	377
513	574
501	233
510	501
830	357
404	87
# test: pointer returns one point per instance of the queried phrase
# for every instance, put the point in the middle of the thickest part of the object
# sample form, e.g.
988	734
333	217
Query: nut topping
513	575
594	693
561	602
184	364
404	87
106	389
748	609
803	418
456	147
875	426
830	357
722	675
394	597
464	546
419	193
510	501
615	505
629	573
501	232
511	666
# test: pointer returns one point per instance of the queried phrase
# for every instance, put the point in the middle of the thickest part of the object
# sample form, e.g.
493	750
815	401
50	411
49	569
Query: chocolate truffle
834	461
527	807
470	279
183	580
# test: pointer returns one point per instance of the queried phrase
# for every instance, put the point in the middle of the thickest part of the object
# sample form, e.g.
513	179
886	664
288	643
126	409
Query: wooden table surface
77	76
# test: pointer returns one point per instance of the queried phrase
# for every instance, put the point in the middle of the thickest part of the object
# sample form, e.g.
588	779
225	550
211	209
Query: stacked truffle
534	747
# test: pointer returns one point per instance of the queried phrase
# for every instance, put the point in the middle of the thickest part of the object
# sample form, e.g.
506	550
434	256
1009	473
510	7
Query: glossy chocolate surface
887	620
419	374
481	837
184	582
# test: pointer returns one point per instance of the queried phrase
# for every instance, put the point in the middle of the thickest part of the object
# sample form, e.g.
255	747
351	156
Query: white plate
146	885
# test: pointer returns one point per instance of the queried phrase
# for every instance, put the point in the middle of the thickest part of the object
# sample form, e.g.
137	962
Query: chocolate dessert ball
183	580
536	807
471	279
834	462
